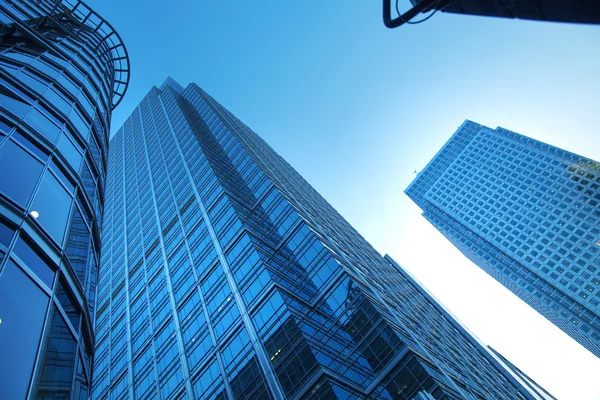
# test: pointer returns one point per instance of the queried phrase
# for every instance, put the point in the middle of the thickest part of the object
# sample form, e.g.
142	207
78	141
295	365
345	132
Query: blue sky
355	108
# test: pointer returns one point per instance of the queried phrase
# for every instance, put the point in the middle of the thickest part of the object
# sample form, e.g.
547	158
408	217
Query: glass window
68	85
42	124
68	303
69	151
59	172
86	104
6	233
30	145
78	245
80	125
19	184
44	67
22	309
58	100
52	204
33	82
12	103
5	128
57	372
15	54
34	261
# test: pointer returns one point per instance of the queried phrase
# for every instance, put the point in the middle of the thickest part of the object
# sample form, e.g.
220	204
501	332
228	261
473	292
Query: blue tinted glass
33	82
34	262
4	128
45	68
69	151
22	310
13	104
59	172
16	55
6	234
58	101
43	125
20	184
52	203
30	146
68	85
68	303
57	373
80	124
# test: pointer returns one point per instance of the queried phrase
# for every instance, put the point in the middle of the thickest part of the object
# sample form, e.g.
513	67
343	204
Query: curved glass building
62	70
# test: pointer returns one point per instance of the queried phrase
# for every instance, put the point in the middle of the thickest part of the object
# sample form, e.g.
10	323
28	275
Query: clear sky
355	108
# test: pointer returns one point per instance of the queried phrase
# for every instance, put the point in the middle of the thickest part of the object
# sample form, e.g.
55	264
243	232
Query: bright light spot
34	214
0	320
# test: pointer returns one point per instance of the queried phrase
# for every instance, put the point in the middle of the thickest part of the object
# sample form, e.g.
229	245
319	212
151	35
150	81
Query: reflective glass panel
4	128
6	234
58	100
22	309
19	185
57	372
42	124
70	152
34	261
13	103
52	203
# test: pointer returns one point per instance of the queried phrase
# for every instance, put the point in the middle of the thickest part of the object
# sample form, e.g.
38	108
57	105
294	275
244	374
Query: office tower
525	212
530	383
224	274
586	12
63	68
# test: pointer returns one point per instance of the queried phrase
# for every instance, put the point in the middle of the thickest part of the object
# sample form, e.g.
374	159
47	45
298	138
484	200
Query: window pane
34	262
22	309
33	82
16	136
42	125
58	101
80	125
6	234
19	184
70	152
12	103
52	203
5	128
69	304
57	372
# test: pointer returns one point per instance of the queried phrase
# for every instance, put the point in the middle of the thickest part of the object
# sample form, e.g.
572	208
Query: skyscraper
224	274
533	385
62	68
525	212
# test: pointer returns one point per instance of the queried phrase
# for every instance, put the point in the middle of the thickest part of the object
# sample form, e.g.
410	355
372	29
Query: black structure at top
111	44
578	11
115	47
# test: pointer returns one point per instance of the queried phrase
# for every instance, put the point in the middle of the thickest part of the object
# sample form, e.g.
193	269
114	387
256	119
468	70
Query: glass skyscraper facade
525	212
62	70
225	275
530	383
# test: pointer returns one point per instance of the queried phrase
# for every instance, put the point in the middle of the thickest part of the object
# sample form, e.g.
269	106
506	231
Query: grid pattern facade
528	214
533	385
57	77
225	275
